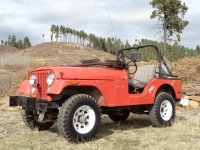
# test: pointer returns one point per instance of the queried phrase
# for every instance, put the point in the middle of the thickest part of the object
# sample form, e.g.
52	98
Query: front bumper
31	103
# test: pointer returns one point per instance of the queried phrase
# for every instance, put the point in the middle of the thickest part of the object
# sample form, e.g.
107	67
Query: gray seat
142	76
163	70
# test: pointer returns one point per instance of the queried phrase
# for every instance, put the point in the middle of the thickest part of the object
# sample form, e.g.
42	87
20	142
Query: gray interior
146	73
142	76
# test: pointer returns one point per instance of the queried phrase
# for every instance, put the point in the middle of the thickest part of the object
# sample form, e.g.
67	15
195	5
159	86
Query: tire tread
155	111
64	124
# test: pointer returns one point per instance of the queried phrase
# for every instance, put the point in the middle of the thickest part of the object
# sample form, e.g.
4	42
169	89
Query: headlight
32	79
50	78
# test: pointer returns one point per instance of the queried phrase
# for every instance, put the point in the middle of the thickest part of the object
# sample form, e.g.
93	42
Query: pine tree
43	38
127	44
57	33
9	40
26	43
74	34
53	27
170	14
13	42
66	32
20	44
62	32
198	49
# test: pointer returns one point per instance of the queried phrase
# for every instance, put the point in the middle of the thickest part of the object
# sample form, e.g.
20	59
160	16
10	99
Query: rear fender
175	92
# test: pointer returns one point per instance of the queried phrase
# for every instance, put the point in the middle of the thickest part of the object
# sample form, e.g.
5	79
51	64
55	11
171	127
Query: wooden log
194	104
194	98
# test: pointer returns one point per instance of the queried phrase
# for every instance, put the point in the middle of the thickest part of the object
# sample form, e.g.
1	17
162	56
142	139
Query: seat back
163	70
142	76
145	73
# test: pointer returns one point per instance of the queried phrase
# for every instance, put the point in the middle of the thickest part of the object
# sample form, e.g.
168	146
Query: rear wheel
162	113
79	118
119	117
30	120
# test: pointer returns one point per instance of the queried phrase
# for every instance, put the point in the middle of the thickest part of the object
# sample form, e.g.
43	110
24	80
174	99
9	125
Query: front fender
57	86
104	86
25	88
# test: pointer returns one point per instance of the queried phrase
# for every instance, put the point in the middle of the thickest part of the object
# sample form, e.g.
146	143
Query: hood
85	73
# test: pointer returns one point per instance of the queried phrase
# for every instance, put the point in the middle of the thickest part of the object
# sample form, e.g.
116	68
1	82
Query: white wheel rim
166	110
84	119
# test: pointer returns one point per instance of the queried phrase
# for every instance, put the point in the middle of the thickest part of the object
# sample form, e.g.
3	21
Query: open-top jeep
76	96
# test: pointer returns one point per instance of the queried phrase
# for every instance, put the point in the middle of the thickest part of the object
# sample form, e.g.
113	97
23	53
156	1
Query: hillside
7	49
63	54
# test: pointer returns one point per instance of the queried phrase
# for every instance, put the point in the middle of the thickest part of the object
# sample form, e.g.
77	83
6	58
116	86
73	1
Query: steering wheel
131	65
132	68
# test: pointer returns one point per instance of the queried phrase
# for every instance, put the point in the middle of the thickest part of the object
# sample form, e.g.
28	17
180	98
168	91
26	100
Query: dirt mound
7	49
188	69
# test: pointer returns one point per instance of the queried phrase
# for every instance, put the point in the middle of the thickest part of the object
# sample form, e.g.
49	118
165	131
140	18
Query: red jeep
76	96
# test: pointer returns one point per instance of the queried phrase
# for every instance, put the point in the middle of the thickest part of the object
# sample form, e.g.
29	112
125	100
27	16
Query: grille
41	77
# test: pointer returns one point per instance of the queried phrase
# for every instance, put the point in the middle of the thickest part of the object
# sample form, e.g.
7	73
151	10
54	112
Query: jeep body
48	89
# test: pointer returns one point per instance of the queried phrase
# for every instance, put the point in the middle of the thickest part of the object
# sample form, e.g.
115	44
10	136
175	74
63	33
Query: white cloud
130	18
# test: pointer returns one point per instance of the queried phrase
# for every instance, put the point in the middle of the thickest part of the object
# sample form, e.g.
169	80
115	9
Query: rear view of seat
142	76
163	70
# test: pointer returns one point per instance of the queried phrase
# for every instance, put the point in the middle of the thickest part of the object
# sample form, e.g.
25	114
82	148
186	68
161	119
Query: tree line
67	34
14	42
110	44
174	52
113	44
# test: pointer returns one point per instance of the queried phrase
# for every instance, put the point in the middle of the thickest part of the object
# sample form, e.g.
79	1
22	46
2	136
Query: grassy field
136	133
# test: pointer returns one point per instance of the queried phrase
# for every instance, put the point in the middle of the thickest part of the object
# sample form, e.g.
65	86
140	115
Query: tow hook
41	116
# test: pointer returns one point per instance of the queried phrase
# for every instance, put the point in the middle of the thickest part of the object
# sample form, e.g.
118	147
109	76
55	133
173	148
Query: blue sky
130	19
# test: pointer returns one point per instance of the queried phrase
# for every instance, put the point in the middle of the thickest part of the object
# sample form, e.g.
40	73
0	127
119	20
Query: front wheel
162	113
30	120
79	118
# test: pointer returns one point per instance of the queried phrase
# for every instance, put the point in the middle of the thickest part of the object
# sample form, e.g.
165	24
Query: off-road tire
155	112
32	123
119	117
68	111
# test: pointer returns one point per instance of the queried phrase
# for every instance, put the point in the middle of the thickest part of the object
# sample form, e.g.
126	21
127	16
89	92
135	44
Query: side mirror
136	56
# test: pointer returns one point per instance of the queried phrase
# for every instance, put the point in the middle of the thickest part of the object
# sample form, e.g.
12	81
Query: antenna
110	20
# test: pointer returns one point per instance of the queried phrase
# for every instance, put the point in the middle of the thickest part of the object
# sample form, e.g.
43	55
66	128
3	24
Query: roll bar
160	57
